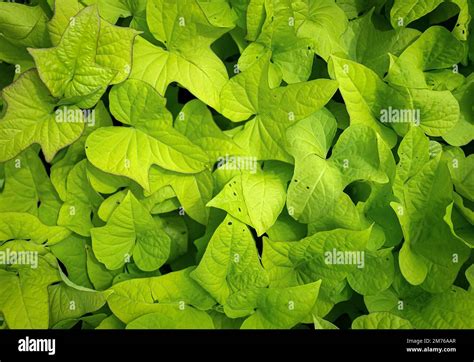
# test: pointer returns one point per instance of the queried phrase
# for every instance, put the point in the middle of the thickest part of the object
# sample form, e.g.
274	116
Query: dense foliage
236	164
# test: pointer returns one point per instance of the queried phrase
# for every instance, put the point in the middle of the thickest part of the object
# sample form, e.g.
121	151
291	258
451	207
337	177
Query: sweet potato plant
223	164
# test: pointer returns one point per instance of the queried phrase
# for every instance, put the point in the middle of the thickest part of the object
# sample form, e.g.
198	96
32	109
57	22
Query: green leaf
463	131
460	220
320	323
186	33
111	322
192	191
131	271
444	79
323	22
231	262
461	169
414	154
100	277
401	107
80	201
462	28
168	149
69	301
23	226
137	297
65	162
431	254
138	104
24	293
196	123
277	308
72	253
177	230
379	264
28	189
435	49
286	228
381	320
357	155
316	192
171	317
364	104
13	54
30	118
312	135
64	11
451	309
112	10
85	61
105	183
249	94
255	18
325	256
438	111
292	56
470	276
353	8
368	45
376	206
131	231
23	25
403	12
254	199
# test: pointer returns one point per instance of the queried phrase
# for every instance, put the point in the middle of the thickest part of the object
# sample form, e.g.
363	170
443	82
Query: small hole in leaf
240	210
235	194
307	187
229	223
296	180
